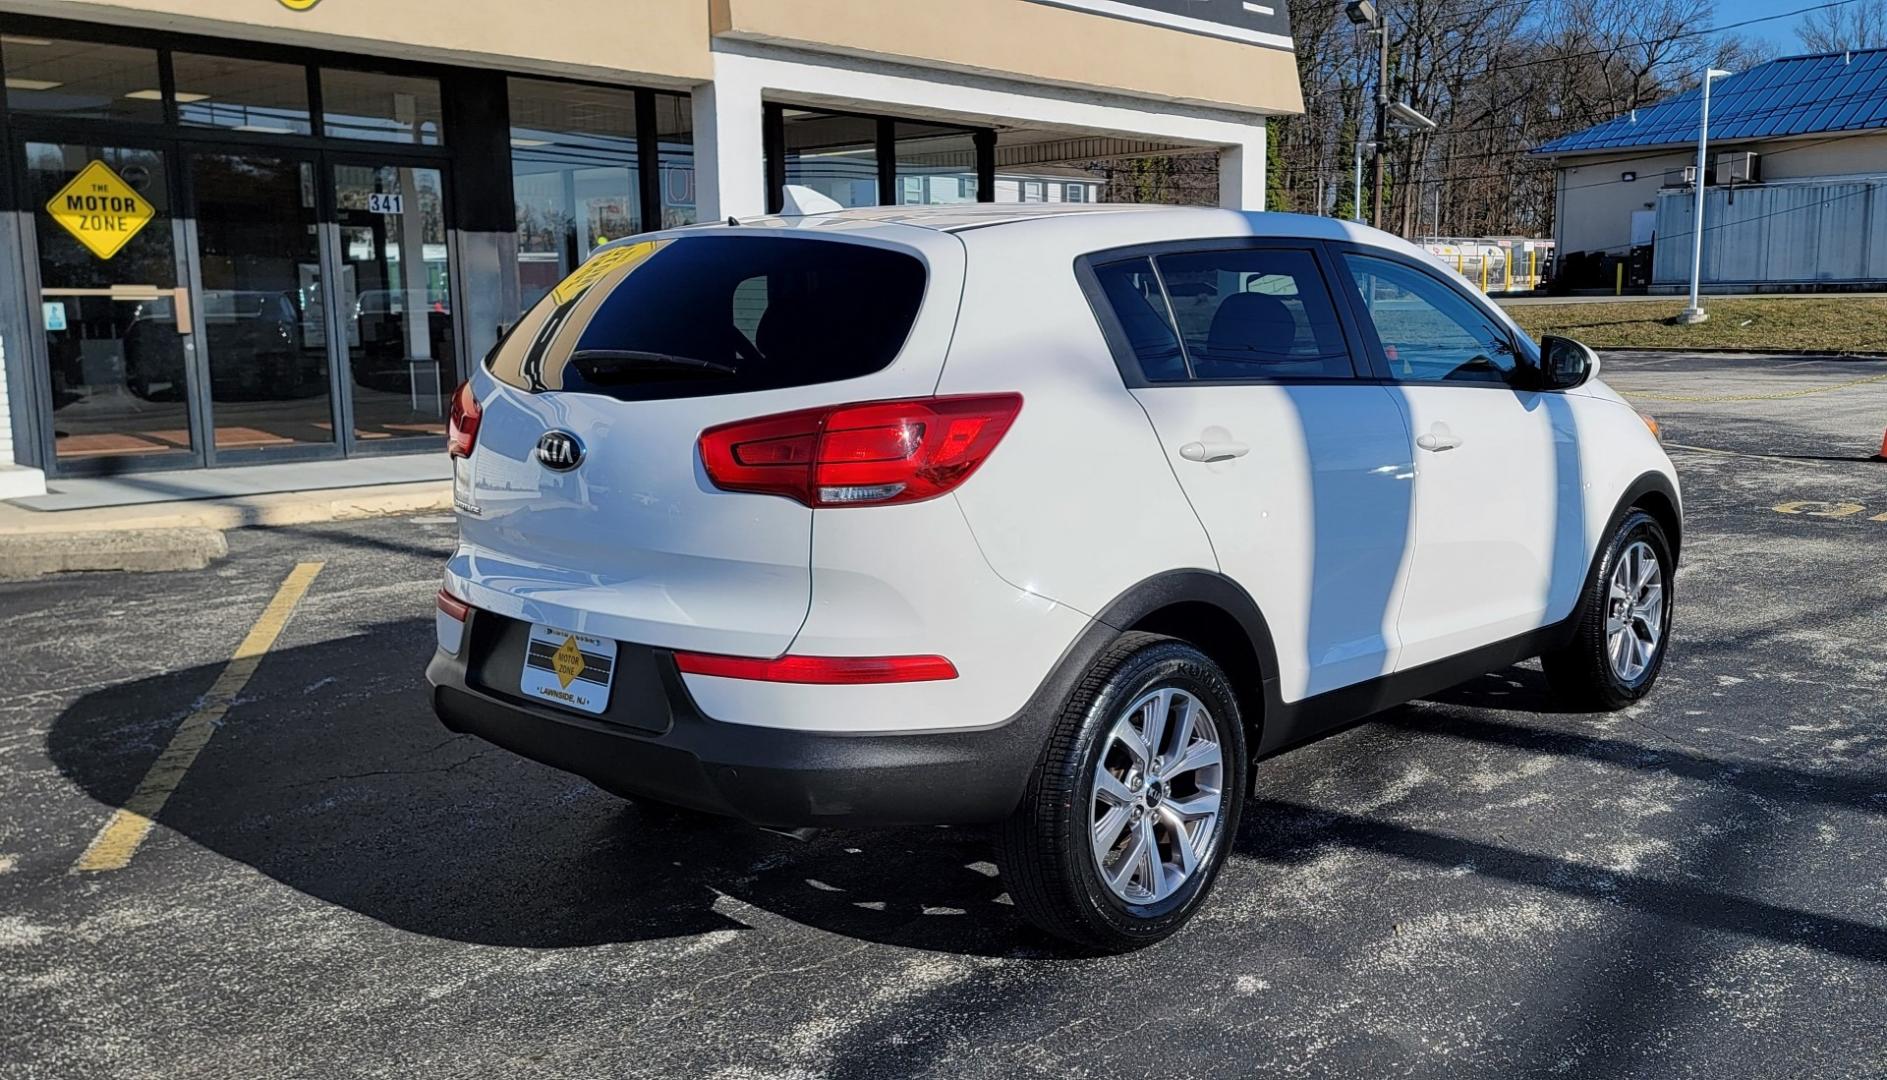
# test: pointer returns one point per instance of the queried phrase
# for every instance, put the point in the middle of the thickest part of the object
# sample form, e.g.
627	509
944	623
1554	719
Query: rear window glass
703	315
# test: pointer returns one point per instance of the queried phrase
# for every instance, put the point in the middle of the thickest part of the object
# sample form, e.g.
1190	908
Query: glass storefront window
396	297
242	95
574	174
48	77
833	154
936	164
263	322
384	108
118	370
675	134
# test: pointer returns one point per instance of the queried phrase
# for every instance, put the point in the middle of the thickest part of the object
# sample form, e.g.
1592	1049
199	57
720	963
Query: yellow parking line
114	845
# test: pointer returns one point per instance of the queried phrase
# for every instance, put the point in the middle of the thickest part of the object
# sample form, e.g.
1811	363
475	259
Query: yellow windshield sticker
101	210
599	265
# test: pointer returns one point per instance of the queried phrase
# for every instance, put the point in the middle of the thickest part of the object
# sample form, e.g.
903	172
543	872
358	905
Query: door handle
1438	439
1213	451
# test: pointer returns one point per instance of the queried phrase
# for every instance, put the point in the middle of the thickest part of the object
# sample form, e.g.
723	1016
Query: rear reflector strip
824	670
454	608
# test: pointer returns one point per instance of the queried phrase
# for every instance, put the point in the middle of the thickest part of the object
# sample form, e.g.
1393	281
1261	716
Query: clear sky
1779	31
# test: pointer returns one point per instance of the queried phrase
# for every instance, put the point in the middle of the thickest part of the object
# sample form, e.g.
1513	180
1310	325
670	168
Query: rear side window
704	315
1133	293
1229	314
1255	313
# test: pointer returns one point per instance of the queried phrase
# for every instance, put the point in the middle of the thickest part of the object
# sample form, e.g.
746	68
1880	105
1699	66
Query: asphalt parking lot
1472	886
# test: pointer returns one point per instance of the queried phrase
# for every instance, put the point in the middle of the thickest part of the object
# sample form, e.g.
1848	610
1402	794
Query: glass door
395	302
118	324
262	318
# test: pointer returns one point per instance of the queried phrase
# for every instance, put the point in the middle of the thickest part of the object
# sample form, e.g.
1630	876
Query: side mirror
1565	363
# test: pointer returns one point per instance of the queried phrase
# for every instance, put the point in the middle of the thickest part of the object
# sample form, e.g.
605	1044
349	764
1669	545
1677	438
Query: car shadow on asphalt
333	777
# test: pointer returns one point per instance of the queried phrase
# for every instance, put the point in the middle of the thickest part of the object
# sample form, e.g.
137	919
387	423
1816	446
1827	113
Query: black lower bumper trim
767	776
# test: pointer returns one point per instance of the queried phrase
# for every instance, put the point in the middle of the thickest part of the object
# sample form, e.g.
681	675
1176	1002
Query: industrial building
1795	182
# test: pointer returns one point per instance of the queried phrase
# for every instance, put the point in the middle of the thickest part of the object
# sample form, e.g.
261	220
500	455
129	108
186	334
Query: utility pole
1382	115
1364	13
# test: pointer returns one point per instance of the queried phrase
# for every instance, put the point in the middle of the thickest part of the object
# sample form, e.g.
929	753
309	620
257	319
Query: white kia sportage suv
1051	518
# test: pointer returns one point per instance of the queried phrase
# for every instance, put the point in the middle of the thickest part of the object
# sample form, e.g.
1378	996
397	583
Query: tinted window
388	108
78	78
707	315
1255	314
1134	295
1430	332
247	95
573	176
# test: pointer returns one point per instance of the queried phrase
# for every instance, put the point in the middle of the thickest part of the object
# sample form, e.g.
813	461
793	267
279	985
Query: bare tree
1499	77
1859	24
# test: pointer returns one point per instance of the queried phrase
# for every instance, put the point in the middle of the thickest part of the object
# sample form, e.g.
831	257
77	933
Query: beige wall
1594	208
622	40
1594	211
1029	41
1824	155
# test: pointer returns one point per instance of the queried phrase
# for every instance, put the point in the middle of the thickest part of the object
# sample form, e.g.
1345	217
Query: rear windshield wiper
635	365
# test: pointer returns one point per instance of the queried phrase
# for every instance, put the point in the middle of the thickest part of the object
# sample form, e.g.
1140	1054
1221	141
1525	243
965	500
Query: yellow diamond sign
567	662
101	210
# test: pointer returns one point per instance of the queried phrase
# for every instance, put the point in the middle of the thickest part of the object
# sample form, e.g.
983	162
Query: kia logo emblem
559	451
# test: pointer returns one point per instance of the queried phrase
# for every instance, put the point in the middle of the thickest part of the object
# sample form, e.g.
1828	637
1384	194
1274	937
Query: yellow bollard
1458	265
1510	271
1484	271
1618	288
1532	281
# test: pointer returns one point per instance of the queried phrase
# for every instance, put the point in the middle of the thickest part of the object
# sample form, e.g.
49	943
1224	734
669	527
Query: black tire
1581	674
1044	848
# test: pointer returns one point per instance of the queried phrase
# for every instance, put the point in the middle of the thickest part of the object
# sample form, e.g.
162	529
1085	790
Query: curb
289	508
140	550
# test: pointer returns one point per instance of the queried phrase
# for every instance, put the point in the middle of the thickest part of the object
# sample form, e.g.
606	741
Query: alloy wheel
1634	622
1154	804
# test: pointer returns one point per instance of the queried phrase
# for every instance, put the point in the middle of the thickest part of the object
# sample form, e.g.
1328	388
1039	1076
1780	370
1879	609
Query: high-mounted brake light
462	423
869	454
823	670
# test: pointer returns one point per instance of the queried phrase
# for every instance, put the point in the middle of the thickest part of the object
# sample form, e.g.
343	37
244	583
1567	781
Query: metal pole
1695	312
1382	112
1356	199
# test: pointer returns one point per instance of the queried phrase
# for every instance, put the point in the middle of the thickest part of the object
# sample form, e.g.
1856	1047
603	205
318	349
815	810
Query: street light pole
1695	312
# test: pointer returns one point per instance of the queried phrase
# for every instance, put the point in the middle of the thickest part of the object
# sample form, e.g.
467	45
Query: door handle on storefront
180	303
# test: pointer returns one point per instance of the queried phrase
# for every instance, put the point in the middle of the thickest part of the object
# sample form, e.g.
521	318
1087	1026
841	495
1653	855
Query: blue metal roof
1796	95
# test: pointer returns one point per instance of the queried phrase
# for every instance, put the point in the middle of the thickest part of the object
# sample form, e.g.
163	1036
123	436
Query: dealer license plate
568	669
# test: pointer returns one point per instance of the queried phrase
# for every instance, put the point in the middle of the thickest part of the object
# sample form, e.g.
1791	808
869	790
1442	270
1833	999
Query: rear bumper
654	743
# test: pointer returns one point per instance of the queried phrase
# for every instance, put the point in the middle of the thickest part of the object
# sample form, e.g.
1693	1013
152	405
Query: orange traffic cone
1882	456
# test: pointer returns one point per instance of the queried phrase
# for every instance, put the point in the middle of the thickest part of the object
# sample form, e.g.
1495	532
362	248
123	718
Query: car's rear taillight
869	454
462	423
820	670
453	608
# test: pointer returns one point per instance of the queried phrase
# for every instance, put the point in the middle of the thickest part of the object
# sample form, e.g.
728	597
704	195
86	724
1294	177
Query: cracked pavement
1476	885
